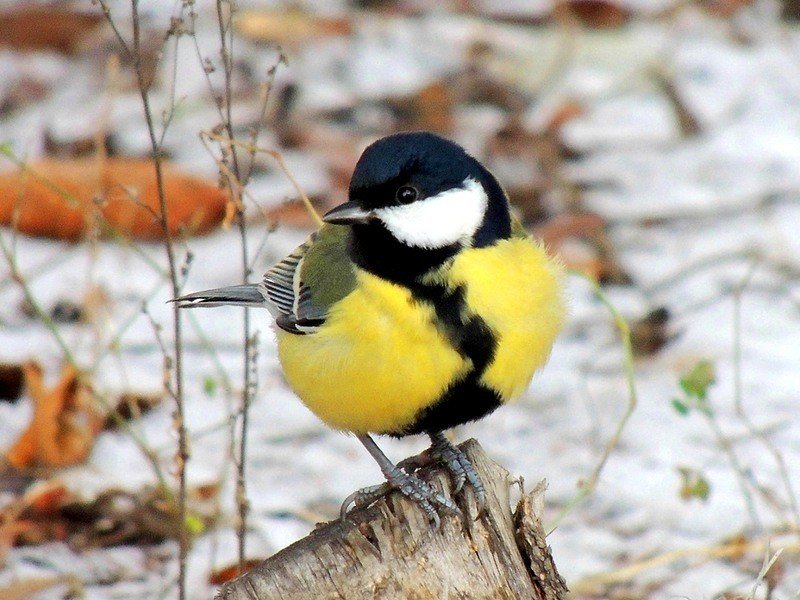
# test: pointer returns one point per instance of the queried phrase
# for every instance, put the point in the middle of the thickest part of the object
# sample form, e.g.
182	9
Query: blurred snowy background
654	144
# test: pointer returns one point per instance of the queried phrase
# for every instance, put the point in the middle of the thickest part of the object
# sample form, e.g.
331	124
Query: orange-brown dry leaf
132	406
61	198
25	589
64	426
651	333
295	214
430	108
724	8
225	574
581	241
567	111
287	27
597	14
47	28
575	225
47	499
205	492
35	518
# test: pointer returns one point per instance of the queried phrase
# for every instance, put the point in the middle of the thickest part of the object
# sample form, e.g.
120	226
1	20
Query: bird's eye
406	194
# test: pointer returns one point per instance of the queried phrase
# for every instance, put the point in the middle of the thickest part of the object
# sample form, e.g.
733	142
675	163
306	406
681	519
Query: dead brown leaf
567	111
528	200
430	109
117	517
225	574
132	406
205	492
64	424
651	333
51	512
288	26
11	379
28	589
596	14
582	242
52	27
724	9
294	213
63	198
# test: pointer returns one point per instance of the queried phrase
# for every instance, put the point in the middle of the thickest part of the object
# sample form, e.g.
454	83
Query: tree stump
390	550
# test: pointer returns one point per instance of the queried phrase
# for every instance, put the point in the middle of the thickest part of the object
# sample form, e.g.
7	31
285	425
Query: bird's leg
452	458
409	485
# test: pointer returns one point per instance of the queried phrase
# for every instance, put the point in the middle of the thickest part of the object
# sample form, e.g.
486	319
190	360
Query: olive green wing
517	229
303	286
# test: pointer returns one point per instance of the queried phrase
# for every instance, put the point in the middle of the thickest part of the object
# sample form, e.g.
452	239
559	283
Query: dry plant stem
175	387
235	185
739	398
17	277
596	584
279	159
741	473
558	67
765	567
590	484
42	268
785	268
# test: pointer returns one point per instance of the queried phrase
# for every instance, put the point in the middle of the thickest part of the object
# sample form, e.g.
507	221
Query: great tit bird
419	305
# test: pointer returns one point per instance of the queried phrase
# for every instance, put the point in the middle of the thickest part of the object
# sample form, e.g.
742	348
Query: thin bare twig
174	360
741	473
738	397
235	184
588	486
765	567
110	19
595	584
278	157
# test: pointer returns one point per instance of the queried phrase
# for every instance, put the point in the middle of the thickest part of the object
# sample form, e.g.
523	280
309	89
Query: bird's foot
412	487
455	461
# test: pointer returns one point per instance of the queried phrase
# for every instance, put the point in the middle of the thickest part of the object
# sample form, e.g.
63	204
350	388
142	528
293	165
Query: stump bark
390	550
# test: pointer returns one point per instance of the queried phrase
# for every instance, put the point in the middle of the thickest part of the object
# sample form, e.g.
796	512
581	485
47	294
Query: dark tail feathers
235	295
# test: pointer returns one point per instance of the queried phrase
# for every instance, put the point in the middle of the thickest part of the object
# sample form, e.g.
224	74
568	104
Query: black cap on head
416	199
425	160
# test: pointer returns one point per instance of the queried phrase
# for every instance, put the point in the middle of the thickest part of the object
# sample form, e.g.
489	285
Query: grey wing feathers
289	297
282	281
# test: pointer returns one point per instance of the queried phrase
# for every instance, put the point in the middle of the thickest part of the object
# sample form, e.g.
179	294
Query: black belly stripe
466	399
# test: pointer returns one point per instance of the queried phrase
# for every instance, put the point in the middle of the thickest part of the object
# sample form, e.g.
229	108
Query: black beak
348	213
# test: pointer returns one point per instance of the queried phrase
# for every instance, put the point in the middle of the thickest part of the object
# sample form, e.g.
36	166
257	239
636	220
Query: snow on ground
725	201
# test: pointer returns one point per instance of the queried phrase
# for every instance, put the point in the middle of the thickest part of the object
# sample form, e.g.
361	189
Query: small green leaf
693	484
680	407
698	380
194	524
210	386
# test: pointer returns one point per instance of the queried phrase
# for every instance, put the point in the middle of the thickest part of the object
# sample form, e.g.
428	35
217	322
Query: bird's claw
412	487
456	462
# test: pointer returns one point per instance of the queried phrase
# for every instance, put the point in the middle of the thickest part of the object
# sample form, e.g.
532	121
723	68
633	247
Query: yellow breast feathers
517	289
378	360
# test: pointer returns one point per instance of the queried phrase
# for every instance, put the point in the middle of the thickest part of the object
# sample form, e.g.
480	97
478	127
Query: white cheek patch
440	220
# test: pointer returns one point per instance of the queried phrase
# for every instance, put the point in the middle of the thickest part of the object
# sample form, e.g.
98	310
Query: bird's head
425	192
